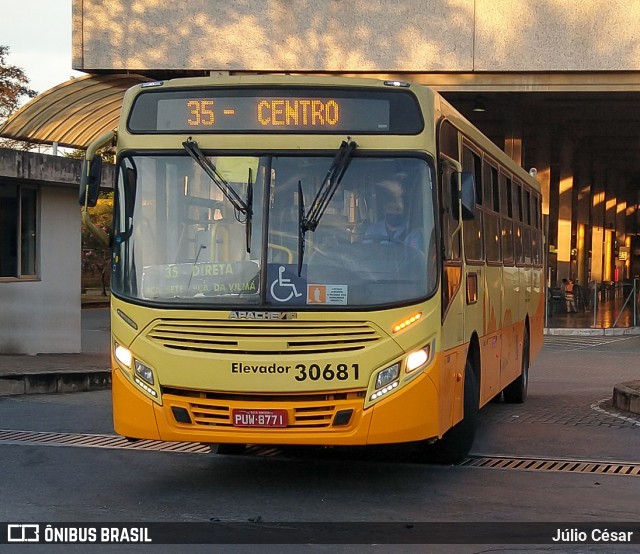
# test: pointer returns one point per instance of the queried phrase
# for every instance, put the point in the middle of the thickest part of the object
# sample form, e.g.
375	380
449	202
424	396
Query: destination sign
199	279
272	113
246	110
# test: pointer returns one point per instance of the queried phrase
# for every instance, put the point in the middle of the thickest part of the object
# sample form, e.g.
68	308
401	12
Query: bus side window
472	228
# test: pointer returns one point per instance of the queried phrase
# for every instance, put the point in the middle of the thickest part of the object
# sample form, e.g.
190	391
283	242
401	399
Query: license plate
259	418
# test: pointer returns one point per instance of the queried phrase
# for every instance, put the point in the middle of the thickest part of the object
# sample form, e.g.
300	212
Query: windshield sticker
199	279
327	294
284	286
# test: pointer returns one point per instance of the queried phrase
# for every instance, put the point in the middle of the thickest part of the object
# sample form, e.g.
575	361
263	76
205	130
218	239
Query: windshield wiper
239	205
301	229
329	186
249	203
310	221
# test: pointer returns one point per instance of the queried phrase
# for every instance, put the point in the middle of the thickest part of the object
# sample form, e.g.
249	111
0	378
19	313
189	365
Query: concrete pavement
49	373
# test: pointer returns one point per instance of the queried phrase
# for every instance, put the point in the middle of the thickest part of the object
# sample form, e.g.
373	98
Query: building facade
39	253
554	82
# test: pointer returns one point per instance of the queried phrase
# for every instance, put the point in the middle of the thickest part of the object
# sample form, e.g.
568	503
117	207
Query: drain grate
485	462
99	441
560	465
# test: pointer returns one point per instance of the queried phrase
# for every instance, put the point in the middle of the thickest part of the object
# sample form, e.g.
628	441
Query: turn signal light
407	322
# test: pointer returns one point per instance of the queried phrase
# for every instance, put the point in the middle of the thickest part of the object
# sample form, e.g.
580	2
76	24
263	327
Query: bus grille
311	411
281	337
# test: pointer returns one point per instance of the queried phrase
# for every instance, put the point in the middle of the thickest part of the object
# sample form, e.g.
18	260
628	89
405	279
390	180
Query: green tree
14	85
96	258
107	153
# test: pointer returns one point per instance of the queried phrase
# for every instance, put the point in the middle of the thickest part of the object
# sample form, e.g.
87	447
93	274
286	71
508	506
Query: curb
626	396
53	382
599	332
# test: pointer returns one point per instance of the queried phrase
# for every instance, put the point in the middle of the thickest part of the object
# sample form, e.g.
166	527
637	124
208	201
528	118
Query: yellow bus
315	261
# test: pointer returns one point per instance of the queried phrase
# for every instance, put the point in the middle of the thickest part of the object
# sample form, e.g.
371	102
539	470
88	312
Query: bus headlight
387	375
418	358
123	355
144	378
386	381
144	371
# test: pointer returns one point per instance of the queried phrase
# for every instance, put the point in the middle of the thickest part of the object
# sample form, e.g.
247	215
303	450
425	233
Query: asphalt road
574	446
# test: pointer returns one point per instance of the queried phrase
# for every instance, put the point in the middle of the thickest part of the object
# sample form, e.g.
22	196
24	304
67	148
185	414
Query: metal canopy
73	113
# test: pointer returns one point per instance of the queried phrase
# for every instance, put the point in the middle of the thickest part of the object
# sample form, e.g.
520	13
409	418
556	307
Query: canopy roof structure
72	114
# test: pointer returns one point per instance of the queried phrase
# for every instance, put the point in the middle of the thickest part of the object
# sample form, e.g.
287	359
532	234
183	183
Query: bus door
452	295
474	255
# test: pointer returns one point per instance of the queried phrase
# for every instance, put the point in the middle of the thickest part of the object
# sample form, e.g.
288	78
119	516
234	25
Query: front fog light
144	372
387	375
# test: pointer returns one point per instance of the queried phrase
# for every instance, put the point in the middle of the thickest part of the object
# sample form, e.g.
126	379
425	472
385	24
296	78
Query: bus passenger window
448	140
507	241
471	162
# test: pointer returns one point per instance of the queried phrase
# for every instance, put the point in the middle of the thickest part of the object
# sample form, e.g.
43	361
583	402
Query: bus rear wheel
516	392
456	443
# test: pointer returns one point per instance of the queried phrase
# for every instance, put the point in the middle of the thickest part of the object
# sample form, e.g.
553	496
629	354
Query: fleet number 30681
327	372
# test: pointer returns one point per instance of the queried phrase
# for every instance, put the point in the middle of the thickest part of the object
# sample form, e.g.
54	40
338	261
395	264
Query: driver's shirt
380	229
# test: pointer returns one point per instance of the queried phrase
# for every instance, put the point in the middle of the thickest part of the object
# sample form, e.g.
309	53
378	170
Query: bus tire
228	449
456	443
516	392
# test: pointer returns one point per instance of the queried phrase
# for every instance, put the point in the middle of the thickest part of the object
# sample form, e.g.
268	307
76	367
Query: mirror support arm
96	231
100	142
90	154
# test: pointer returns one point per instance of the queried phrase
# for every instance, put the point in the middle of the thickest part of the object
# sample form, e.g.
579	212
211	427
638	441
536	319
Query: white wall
44	316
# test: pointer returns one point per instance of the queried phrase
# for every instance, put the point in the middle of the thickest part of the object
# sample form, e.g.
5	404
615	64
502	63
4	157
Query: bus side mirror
90	182
466	193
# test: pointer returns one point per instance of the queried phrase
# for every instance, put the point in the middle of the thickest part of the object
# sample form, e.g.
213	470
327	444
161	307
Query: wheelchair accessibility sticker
284	286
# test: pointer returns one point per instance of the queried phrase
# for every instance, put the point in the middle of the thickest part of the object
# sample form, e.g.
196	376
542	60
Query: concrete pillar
543	166
598	205
565	210
513	148
583	230
620	238
513	132
543	161
611	185
634	230
552	227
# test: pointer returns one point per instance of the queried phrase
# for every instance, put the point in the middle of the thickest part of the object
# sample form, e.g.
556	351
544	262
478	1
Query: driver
393	226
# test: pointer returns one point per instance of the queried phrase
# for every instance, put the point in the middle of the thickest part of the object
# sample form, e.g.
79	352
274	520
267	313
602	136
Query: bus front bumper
409	414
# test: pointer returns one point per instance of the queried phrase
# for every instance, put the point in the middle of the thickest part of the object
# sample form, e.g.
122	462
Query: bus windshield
179	239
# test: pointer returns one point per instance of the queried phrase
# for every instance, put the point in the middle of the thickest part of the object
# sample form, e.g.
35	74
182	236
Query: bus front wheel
456	443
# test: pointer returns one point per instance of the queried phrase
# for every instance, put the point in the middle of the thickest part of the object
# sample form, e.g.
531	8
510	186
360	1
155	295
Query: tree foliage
107	154
14	85
96	259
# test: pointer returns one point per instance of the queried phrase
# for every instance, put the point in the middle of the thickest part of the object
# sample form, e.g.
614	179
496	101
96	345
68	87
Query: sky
38	34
